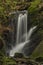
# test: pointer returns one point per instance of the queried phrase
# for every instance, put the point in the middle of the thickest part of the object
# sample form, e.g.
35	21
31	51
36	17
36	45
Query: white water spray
17	48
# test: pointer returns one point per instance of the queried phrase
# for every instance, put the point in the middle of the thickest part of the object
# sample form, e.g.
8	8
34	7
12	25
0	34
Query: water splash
17	48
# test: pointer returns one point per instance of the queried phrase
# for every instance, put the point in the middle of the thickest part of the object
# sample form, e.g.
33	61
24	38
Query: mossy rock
39	59
18	55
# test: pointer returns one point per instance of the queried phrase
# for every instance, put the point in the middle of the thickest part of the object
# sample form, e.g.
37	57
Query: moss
38	52
8	60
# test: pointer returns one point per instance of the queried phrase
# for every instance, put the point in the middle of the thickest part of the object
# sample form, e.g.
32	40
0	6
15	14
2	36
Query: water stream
23	37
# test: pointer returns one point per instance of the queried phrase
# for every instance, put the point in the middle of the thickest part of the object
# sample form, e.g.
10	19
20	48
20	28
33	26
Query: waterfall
23	37
21	27
29	33
18	48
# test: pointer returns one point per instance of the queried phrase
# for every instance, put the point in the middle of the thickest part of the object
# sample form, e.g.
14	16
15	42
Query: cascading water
21	27
29	33
23	37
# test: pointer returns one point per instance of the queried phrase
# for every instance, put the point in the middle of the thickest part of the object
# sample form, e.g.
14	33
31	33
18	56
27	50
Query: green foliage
38	52
34	6
7	6
7	60
36	18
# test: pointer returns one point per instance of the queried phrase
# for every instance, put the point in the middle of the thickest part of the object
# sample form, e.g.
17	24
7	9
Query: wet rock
1	44
18	55
39	59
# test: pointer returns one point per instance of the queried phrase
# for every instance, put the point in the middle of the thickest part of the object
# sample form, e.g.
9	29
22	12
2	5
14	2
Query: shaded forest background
35	13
